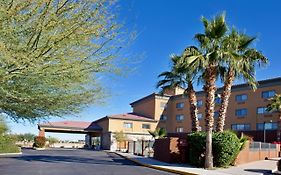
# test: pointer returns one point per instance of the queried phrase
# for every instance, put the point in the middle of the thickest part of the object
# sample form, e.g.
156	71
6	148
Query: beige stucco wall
145	107
117	125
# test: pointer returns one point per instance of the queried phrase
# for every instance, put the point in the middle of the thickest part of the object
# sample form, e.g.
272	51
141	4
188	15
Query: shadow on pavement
265	172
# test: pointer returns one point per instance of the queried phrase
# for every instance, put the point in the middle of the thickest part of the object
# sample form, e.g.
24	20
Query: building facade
246	113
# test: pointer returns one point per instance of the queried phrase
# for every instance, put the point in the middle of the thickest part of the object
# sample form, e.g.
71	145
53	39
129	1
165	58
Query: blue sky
168	26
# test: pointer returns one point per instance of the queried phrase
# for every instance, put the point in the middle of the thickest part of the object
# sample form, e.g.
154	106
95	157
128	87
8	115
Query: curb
10	154
156	167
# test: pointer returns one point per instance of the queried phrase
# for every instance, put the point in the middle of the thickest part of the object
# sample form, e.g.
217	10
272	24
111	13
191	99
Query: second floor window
241	98
180	117
216	114
218	100
163	117
180	105
145	126
200	116
199	103
268	94
128	125
262	110
241	112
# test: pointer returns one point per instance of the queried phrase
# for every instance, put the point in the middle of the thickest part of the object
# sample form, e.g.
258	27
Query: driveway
71	162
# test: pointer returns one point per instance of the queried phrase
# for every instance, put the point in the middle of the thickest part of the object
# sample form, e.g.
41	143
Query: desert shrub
196	145
226	147
7	144
39	142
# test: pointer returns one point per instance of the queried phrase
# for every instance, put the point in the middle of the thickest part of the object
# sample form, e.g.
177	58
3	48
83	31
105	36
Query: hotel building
246	112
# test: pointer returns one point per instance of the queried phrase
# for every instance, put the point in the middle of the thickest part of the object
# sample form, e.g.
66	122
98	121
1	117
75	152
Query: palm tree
182	77
207	59
158	133
275	105
239	62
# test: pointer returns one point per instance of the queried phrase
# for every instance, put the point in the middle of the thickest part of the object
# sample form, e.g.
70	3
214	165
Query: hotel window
218	100
163	118
200	116
199	103
268	94
180	105
216	114
262	110
241	98
145	126
241	112
163	105
179	129
128	125
268	126
180	117
240	127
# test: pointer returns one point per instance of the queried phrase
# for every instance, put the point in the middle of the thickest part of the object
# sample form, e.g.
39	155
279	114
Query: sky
165	27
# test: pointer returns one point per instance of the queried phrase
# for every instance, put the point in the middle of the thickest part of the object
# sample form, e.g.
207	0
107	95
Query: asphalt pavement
71	162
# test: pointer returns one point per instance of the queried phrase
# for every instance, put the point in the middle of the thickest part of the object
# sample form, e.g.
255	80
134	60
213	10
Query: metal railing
256	146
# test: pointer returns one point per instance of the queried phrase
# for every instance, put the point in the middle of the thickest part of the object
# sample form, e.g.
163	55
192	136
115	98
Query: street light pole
264	132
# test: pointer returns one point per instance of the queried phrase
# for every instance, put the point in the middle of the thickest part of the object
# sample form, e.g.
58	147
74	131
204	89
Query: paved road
71	162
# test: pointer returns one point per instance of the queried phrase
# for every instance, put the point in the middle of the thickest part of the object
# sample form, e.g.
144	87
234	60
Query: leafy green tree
53	53
275	106
3	126
240	60
29	137
120	137
52	140
179	76
158	133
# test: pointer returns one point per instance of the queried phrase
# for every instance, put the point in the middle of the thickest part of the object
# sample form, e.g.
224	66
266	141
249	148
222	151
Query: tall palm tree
275	105
208	58
181	77
239	62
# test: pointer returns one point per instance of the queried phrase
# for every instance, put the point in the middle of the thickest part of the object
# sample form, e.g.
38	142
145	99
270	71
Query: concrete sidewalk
254	168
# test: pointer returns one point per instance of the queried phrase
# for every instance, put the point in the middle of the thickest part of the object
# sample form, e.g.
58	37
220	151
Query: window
240	127
163	118
268	94
268	126
199	103
200	116
179	129
218	100
163	105
145	126
179	117
241	98
128	125
216	114
262	110
179	105
241	112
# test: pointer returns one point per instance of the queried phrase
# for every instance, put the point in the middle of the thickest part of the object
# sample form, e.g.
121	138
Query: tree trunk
193	107
225	100
210	90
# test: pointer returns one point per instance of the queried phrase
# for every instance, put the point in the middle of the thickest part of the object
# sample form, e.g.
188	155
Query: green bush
7	145
39	142
226	147
196	145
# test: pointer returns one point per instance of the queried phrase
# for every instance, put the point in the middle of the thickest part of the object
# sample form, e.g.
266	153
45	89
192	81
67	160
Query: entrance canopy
70	127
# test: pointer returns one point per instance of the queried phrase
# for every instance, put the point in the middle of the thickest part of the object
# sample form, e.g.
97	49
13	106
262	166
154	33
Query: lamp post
264	130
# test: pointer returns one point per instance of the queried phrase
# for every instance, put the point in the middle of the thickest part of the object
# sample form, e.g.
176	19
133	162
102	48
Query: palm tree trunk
225	100
210	90
193	107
